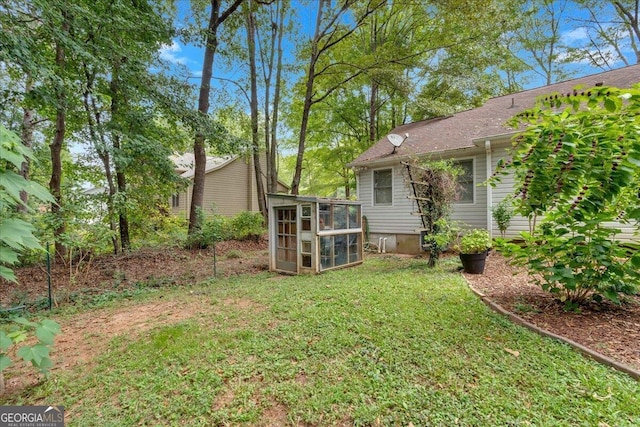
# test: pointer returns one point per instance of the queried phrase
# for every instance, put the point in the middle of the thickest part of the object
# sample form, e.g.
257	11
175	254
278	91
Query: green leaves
5	341
46	331
578	173
5	362
17	234
610	105
37	354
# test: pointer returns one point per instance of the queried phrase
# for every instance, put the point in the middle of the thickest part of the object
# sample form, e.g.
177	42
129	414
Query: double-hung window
382	187
465	181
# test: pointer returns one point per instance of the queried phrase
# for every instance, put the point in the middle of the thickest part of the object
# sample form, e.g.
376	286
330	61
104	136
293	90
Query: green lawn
385	343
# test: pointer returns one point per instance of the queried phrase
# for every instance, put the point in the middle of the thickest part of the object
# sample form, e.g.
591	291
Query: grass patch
385	343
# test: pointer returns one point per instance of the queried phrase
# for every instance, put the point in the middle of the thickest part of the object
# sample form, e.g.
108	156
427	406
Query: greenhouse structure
308	235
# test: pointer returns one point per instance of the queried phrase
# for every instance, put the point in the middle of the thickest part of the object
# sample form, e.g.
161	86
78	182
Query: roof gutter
498	138
396	159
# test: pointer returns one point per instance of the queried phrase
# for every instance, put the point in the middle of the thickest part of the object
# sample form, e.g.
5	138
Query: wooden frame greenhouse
308	235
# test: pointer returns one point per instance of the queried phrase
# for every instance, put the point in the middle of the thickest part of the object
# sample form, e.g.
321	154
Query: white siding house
477	137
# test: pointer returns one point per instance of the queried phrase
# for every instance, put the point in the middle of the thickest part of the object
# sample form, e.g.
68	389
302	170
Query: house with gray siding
476	140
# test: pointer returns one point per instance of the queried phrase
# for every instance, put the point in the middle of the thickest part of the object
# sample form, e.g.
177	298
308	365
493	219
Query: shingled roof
459	130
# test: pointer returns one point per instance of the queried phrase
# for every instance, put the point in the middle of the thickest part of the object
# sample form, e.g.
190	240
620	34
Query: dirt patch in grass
87	335
609	329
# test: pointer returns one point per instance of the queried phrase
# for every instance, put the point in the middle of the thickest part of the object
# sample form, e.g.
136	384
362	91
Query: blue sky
191	56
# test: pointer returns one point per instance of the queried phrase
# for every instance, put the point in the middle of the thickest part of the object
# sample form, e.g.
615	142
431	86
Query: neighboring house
475	139
229	188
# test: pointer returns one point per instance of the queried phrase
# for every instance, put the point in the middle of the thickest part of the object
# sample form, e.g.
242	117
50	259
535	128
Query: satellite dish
396	140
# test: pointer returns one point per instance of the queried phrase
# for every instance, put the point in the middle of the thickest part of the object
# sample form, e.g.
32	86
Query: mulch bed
610	329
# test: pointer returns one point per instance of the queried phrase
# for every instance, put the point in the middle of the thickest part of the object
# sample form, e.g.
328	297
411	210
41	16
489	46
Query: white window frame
373	187
473	180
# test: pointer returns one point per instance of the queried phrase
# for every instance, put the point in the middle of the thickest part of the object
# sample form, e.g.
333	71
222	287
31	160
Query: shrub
502	214
213	229
216	228
248	225
162	229
577	172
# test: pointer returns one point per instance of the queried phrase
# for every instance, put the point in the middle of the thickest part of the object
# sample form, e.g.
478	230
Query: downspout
489	172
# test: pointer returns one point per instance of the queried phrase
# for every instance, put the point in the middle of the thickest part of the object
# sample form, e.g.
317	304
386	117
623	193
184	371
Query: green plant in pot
473	247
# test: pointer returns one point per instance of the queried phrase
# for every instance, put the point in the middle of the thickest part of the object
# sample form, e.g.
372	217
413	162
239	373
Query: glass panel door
287	239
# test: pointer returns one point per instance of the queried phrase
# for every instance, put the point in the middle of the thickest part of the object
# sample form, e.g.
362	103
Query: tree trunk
121	180
254	110
347	187
27	140
199	154
306	108
123	220
97	137
373	112
273	171
56	147
267	69
373	100
106	163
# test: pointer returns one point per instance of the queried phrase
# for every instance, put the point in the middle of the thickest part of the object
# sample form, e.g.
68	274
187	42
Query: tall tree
99	140
115	87
60	128
36	41
90	76
272	144
270	33
255	145
401	64
217	17
332	28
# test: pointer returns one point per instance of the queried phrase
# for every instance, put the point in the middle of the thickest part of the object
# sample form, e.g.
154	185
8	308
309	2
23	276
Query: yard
384	343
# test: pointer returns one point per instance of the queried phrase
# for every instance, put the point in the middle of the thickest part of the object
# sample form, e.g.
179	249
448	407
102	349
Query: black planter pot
473	263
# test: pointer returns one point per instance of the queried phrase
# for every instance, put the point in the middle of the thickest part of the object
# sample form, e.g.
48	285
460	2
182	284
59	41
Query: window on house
465	181
382	187
175	201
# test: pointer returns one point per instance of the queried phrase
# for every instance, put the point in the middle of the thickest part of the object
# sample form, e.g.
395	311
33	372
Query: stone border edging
581	348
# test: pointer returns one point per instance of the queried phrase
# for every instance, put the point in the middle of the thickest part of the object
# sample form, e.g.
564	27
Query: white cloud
170	53
577	34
